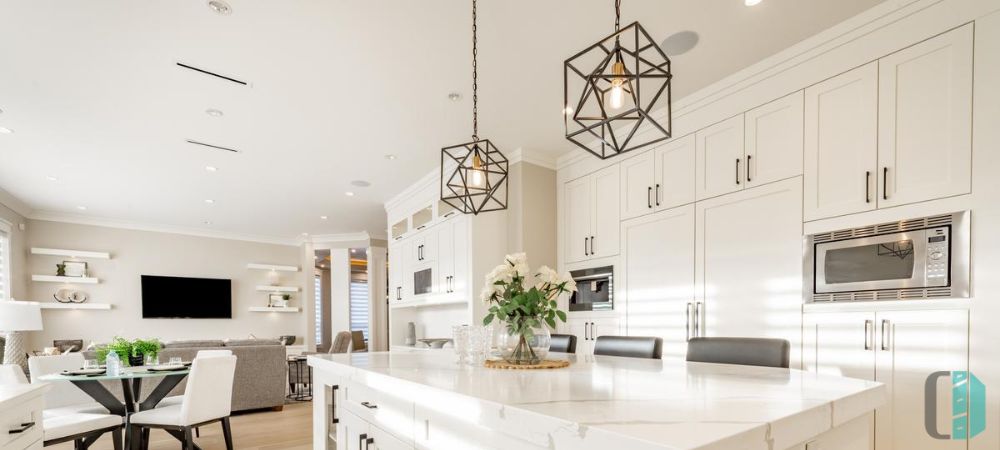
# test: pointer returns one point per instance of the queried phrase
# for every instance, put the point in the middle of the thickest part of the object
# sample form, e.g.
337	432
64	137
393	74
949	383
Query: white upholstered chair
177	399
12	374
63	397
208	398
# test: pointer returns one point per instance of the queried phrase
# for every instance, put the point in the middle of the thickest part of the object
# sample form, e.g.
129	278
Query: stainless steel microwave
920	258
595	289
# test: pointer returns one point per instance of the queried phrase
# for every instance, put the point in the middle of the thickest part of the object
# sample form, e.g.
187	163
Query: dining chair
208	398
630	346
563	343
741	351
62	397
58	427
177	399
341	343
358	343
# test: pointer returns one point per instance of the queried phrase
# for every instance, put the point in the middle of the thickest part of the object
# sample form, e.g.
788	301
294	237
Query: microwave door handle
687	321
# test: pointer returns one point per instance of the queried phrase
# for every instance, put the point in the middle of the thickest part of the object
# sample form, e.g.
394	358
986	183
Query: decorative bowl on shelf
435	342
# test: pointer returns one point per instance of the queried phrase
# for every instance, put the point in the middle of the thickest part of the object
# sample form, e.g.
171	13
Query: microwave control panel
938	245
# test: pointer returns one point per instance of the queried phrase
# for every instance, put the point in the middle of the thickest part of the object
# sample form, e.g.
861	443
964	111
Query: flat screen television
188	298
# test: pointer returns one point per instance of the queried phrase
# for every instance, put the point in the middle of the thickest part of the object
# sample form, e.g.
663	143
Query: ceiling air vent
212	74
217	147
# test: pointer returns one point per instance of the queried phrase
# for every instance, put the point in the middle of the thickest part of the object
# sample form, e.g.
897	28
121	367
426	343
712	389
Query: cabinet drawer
14	418
391	413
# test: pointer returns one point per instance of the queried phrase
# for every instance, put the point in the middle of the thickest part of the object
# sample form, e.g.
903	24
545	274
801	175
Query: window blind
359	307
318	320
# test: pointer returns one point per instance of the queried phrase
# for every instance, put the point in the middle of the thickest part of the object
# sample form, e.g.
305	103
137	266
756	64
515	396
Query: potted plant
143	348
119	345
524	307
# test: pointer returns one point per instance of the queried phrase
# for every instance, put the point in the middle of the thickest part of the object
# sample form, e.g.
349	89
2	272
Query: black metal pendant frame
590	122
458	189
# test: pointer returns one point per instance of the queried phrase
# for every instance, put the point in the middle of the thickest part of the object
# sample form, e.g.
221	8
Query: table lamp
16	317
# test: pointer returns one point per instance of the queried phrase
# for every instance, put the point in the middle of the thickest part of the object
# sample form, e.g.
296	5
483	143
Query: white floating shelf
70	253
287	309
425	303
263	288
69	280
273	267
92	306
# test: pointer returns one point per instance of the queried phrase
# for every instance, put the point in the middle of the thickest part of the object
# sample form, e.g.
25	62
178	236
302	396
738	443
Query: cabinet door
637	185
774	141
406	274
605	213
841	139
381	440
581	329
578	219
352	433
925	120
675	173
659	277
461	283
395	272
604	327
911	346
749	264
839	343
445	255
720	167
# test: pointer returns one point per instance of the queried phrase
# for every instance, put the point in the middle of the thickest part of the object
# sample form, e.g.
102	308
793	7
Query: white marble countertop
658	404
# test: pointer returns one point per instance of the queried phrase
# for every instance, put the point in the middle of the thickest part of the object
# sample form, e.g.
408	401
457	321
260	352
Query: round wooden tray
545	364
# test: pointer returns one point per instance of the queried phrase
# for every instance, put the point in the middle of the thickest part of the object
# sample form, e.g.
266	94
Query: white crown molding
49	216
338	237
816	45
536	158
13	203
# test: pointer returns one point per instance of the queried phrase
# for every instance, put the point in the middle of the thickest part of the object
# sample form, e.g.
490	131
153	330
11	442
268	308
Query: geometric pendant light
611	88
474	174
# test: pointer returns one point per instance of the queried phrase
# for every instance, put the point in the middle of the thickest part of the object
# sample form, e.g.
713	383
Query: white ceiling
93	94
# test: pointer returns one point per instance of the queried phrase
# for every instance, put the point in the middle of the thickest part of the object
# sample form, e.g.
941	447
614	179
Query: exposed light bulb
616	97
477	177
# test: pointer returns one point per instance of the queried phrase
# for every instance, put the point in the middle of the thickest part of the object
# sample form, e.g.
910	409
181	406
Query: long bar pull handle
868	334
687	321
885	335
586	252
649	197
361	440
738	171
885	183
657	196
868	186
749	158
369	405
333	404
368	442
697	319
24	427
591	246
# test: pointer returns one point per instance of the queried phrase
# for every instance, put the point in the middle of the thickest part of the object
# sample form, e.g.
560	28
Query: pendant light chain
475	77
618	15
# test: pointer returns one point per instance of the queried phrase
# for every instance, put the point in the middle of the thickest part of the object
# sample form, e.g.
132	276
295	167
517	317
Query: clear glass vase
527	347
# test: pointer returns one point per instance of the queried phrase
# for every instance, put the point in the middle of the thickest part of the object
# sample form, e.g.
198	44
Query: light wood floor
288	429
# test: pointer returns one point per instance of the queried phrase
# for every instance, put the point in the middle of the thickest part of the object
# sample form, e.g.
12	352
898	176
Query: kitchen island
425	400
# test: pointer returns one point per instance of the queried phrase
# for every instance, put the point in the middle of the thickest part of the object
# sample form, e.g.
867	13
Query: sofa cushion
193	344
251	342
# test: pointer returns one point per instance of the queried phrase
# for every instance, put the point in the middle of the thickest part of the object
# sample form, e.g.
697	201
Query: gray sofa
261	368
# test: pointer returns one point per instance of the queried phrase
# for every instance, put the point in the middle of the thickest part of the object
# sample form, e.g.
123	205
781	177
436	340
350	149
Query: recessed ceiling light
751	2
680	42
323	217
207	222
455	96
81	208
214	112
220	7
51	178
209	201
211	168
360	183
4	130
349	194
390	157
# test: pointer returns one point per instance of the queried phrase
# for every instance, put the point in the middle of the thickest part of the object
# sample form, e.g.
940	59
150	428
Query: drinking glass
90	364
460	339
152	360
479	342
176	361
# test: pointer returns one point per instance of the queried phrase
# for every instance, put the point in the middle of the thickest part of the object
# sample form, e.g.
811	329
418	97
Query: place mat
545	364
87	372
174	368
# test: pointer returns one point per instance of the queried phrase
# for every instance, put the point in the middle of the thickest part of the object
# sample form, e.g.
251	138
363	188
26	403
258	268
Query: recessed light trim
323	217
751	2
211	169
455	96
214	112
349	194
360	183
207	222
209	201
5	130
81	208
51	178
390	157
220	7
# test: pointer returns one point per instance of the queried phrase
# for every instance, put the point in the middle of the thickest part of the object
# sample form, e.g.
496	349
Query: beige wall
136	253
531	216
18	251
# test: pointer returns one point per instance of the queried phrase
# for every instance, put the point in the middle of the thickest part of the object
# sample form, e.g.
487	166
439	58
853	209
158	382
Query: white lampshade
20	316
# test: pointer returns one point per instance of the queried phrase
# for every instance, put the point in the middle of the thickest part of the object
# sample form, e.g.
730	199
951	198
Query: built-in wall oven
920	258
594	289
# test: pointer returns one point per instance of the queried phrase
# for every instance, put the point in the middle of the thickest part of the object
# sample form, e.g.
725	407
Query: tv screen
190	298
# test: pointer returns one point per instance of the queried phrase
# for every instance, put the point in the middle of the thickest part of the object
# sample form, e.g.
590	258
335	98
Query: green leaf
552	323
488	319
562	315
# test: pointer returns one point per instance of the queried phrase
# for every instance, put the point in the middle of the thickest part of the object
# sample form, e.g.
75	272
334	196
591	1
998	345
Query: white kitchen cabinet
925	120
452	258
674	177
720	165
352	431
423	246
658	277
592	215
637	175
749	264
841	138
774	141
379	439
400	264
839	343
588	328
911	345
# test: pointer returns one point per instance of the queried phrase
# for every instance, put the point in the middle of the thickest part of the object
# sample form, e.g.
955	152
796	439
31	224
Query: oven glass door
893	261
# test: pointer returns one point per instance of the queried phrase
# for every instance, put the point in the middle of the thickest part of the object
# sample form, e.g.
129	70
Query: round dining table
131	379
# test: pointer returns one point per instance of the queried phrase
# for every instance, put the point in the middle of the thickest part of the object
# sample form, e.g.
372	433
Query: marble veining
653	403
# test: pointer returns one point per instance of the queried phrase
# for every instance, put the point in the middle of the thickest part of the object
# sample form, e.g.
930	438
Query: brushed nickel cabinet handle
868	334
885	335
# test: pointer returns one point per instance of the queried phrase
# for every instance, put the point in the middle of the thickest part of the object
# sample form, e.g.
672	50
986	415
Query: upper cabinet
925	120
892	132
659	179
762	146
592	215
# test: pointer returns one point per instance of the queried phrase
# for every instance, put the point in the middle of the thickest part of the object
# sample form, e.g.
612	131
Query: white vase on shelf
274	278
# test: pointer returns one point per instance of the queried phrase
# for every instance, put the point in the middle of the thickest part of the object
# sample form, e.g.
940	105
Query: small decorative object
51	351
611	89
278	300
60	270
63	296
411	334
287	340
544	364
68	345
132	352
274	277
79	297
435	342
76	269
524	307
